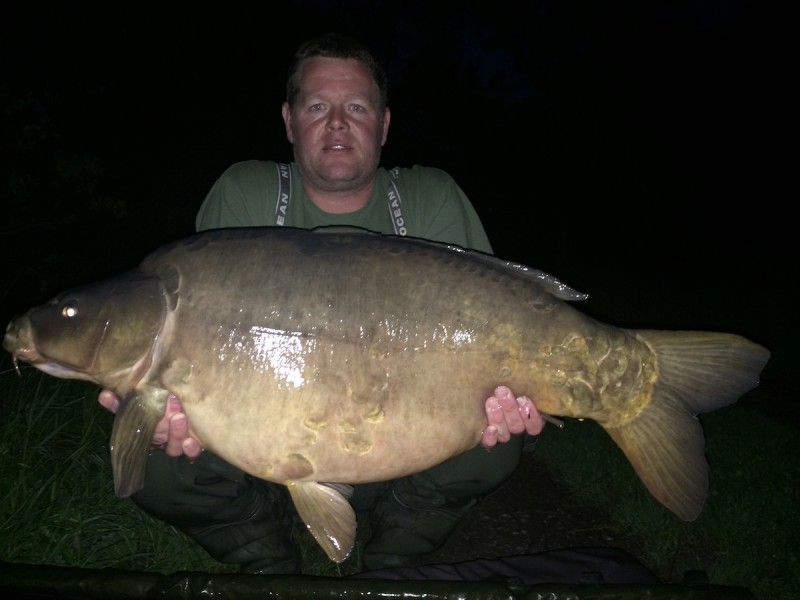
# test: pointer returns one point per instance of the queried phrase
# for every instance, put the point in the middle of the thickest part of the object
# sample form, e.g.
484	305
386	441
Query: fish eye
69	310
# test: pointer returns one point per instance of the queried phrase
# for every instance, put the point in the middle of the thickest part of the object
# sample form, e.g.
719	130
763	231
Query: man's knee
477	472
234	517
177	487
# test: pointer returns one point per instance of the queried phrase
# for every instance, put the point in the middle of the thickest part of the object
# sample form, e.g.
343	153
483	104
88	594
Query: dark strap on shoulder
395	204
284	192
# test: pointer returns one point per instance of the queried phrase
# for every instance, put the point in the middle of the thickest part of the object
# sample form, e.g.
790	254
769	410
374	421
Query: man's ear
286	111
387	116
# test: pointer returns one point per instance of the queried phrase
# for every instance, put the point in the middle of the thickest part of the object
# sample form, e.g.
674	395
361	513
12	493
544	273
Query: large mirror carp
323	359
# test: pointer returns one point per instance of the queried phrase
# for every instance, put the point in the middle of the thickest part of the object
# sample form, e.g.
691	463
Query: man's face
336	125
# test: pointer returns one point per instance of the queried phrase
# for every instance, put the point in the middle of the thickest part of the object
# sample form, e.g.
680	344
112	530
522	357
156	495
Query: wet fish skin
319	358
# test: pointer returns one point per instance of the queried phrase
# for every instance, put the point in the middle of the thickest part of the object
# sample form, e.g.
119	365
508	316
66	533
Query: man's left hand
508	415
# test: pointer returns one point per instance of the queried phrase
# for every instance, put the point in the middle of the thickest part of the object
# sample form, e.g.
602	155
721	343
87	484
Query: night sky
637	154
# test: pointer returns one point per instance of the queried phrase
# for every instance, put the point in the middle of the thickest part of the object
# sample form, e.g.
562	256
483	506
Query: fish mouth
18	340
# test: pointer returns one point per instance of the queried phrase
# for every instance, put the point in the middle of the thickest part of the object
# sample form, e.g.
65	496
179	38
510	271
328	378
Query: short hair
336	45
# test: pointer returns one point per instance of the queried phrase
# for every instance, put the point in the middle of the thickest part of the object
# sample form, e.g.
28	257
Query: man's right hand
172	431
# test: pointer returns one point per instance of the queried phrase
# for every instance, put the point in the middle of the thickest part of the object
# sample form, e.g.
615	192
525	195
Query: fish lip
11	339
28	355
18	340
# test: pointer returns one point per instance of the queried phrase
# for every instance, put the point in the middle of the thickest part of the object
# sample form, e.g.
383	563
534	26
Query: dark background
638	151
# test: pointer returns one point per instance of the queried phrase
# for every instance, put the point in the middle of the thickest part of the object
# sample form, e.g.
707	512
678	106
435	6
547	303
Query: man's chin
340	174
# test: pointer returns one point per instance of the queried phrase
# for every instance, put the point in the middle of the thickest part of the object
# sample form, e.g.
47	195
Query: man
337	119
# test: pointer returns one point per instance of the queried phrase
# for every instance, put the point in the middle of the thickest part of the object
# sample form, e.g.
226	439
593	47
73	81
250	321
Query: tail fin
697	372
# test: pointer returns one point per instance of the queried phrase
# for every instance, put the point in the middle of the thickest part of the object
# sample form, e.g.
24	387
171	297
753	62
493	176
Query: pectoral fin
328	515
131	437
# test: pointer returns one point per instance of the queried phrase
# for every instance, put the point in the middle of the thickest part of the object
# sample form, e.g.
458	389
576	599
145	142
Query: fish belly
349	360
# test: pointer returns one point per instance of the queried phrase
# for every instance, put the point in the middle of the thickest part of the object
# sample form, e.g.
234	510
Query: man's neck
340	202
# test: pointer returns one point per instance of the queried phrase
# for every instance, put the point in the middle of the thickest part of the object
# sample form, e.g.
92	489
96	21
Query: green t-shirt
433	206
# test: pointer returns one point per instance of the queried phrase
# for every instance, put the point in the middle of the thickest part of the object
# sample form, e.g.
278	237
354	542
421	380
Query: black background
638	151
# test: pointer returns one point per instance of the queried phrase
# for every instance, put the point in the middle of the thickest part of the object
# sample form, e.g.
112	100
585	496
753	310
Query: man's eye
316	107
356	108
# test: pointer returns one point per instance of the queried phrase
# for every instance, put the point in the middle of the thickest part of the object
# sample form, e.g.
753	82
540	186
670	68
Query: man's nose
337	119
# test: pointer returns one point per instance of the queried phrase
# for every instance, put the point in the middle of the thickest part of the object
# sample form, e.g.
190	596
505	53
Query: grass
57	504
58	507
748	534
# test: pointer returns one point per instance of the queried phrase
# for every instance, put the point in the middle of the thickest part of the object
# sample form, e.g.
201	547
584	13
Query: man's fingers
191	448
172	430
173	406
512	415
489	437
178	431
108	400
511	410
494	412
531	418
497	431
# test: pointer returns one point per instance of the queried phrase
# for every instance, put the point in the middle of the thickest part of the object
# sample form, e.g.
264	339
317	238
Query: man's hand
508	415
172	431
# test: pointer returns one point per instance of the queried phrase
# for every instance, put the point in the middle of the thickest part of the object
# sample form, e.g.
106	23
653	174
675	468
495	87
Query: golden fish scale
356	352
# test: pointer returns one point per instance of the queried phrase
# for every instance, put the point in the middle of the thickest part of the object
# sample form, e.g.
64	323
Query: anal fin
327	513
